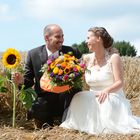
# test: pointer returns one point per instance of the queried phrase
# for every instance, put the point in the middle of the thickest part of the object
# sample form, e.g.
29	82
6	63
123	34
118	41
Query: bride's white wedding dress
86	114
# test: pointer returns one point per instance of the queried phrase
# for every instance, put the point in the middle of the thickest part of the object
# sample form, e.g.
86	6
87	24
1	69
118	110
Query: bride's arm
117	70
118	78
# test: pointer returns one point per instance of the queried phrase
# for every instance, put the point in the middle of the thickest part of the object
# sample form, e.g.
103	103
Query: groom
47	105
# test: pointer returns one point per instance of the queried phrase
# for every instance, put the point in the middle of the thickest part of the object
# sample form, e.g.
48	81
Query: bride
104	108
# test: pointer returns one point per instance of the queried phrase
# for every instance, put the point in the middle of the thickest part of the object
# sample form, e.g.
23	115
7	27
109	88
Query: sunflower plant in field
11	61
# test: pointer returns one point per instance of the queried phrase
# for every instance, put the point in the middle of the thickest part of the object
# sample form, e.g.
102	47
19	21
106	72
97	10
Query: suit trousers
50	105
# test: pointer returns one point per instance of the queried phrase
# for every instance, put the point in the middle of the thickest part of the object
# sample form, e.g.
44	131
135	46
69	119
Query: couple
103	108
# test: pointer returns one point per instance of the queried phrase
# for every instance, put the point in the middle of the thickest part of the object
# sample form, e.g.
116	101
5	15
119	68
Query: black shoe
42	124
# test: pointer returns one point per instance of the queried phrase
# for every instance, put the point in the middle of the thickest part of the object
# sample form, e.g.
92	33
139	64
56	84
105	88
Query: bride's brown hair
107	39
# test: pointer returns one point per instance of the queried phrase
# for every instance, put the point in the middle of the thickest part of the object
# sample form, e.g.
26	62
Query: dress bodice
99	79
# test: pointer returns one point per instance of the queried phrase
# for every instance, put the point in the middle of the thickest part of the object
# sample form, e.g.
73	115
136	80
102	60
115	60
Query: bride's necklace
100	59
99	62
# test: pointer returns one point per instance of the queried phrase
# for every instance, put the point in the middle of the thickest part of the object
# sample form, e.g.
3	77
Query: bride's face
92	41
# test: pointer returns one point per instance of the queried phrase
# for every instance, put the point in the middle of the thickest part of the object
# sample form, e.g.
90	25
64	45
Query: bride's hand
102	95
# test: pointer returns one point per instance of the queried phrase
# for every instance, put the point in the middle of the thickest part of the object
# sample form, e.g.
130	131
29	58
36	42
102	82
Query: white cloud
42	9
125	24
5	13
45	9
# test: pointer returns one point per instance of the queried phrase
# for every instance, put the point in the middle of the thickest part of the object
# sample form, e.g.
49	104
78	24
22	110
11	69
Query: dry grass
131	76
58	133
26	130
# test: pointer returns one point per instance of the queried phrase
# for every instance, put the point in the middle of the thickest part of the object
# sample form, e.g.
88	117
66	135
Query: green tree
82	47
125	48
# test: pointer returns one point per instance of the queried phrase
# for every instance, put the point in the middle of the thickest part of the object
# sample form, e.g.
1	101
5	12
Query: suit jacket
35	60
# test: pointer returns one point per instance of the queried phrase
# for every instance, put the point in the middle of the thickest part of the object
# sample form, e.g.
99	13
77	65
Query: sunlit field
27	130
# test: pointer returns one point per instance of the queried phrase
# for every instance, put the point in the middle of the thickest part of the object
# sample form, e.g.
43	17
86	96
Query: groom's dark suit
47	105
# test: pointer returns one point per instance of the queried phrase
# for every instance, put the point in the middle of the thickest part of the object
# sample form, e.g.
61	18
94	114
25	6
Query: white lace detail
108	60
88	59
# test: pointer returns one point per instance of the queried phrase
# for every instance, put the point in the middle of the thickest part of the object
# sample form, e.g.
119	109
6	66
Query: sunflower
11	58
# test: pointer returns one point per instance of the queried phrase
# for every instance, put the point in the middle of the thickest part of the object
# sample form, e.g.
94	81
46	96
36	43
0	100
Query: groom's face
55	39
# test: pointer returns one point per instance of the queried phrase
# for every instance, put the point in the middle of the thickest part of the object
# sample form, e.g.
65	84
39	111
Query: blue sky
22	21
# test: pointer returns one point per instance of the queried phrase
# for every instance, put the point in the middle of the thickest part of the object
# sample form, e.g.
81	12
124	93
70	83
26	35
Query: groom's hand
17	78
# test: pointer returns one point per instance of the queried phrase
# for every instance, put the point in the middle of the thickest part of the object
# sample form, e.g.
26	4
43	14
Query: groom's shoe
40	124
57	120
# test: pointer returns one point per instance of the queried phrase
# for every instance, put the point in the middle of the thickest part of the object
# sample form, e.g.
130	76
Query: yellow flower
56	70
66	55
78	67
53	64
67	69
58	60
11	58
72	58
66	59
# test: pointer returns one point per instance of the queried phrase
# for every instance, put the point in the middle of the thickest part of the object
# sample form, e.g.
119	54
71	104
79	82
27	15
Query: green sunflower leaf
3	89
27	96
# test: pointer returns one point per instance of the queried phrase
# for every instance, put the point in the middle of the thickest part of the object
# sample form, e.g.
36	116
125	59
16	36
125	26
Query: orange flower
70	65
60	72
63	64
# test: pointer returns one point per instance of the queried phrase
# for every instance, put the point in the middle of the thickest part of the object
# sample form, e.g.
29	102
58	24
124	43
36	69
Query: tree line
124	48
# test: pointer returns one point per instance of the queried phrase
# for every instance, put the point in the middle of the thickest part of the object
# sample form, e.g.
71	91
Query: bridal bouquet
62	73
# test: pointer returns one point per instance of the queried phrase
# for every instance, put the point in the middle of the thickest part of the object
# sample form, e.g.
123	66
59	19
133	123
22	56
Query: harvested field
27	130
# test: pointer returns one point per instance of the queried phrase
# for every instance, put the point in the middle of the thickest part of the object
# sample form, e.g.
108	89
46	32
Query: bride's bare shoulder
115	57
